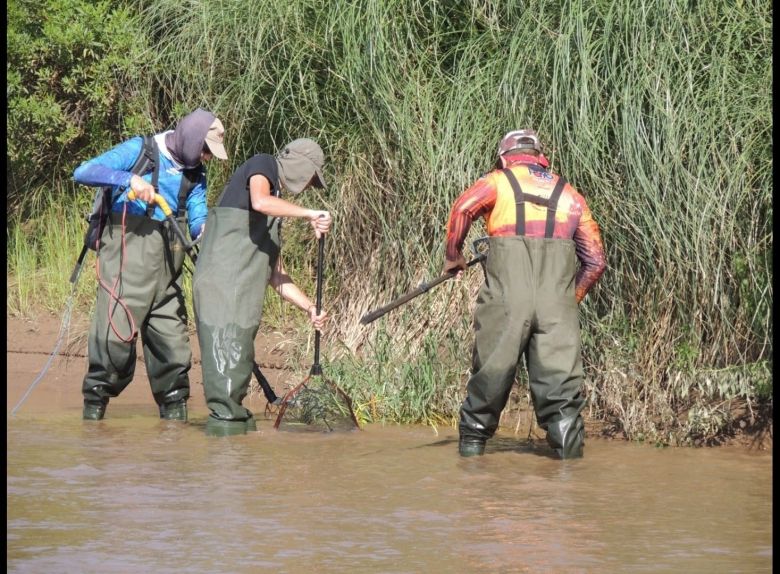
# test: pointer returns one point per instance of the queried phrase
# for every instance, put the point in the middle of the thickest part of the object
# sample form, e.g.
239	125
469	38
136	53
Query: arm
590	252
111	168
475	202
197	209
289	291
262	201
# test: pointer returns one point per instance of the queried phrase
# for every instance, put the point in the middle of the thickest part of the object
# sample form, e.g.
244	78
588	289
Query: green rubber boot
251	425
217	427
94	411
471	446
176	411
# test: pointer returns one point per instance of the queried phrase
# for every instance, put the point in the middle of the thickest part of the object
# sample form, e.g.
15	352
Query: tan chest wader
237	255
527	306
150	264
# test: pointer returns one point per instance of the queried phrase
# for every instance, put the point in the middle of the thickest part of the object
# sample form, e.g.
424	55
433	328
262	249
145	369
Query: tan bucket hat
300	164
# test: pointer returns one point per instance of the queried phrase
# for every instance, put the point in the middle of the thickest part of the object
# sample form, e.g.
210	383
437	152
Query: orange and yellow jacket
493	196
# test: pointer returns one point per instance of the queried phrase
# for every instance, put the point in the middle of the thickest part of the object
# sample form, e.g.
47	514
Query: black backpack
101	208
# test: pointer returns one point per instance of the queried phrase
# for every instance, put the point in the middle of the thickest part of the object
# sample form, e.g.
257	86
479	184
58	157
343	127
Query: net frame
316	369
293	394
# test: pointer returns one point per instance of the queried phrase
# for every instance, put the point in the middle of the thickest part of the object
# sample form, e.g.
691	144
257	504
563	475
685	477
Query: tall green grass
41	254
658	112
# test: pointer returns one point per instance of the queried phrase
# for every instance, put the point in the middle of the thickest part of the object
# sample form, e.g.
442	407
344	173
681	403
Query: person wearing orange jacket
539	229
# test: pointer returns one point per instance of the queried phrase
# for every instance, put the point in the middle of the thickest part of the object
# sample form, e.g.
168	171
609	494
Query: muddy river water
132	493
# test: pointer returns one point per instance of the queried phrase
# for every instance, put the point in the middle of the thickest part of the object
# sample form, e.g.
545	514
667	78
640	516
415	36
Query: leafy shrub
68	67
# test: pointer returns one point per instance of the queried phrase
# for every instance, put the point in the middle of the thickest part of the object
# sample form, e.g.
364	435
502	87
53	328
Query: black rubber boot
175	411
471	446
94	411
567	437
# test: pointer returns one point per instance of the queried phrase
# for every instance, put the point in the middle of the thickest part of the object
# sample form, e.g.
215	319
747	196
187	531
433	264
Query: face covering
185	142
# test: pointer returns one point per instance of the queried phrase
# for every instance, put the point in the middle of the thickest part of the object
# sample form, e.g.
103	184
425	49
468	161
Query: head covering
187	139
214	139
516	142
519	139
300	164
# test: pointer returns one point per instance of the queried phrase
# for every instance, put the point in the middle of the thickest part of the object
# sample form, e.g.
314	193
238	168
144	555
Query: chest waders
527	305
150	260
236	257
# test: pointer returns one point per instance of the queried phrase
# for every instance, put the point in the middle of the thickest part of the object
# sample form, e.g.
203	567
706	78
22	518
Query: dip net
315	404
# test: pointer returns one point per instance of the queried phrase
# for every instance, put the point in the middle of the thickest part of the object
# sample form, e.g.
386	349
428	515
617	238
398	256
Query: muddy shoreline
29	343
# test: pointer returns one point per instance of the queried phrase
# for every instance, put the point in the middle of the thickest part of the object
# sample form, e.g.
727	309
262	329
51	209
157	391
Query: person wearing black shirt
238	259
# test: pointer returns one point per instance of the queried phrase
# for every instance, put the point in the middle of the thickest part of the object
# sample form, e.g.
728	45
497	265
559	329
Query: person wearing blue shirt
140	264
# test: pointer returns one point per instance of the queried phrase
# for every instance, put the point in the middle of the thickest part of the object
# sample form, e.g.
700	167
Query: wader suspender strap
549	228
520	198
519	203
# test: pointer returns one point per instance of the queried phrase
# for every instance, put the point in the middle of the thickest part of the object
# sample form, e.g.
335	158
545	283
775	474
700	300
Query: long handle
166	209
269	393
74	276
316	369
374	315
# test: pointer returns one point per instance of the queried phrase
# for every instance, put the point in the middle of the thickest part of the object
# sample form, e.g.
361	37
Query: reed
658	112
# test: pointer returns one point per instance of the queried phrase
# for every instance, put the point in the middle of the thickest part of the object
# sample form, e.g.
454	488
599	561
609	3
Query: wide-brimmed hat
300	165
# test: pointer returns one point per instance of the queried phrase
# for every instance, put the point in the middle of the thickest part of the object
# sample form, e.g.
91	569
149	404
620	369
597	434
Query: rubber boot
218	427
175	411
471	446
567	437
251	425
94	411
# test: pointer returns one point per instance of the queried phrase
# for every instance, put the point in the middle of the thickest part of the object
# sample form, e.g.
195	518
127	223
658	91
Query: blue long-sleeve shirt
112	169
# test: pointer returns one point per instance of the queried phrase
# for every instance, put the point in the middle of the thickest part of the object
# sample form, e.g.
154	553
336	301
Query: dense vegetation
658	112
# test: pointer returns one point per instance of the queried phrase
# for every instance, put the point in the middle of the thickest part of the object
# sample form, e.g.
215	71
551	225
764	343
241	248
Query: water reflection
133	493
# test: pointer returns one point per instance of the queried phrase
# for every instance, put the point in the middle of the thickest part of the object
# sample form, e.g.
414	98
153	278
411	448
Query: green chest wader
236	257
147	264
150	259
527	306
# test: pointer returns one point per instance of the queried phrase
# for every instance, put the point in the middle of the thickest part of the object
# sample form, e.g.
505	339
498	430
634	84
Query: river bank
30	341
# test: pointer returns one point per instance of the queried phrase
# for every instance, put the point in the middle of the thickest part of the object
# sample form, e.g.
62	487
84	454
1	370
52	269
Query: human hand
320	221
455	267
317	321
143	190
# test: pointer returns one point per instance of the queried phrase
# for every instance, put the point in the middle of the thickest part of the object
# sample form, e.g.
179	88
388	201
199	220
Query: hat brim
217	149
317	179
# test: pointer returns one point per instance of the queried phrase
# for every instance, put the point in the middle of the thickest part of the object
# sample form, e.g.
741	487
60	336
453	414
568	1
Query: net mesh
316	404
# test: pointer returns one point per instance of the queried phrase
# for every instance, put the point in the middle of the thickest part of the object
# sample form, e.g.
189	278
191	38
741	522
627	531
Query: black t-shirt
236	192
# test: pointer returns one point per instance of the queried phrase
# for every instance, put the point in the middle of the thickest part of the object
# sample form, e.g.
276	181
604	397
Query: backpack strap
189	180
521	198
147	161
